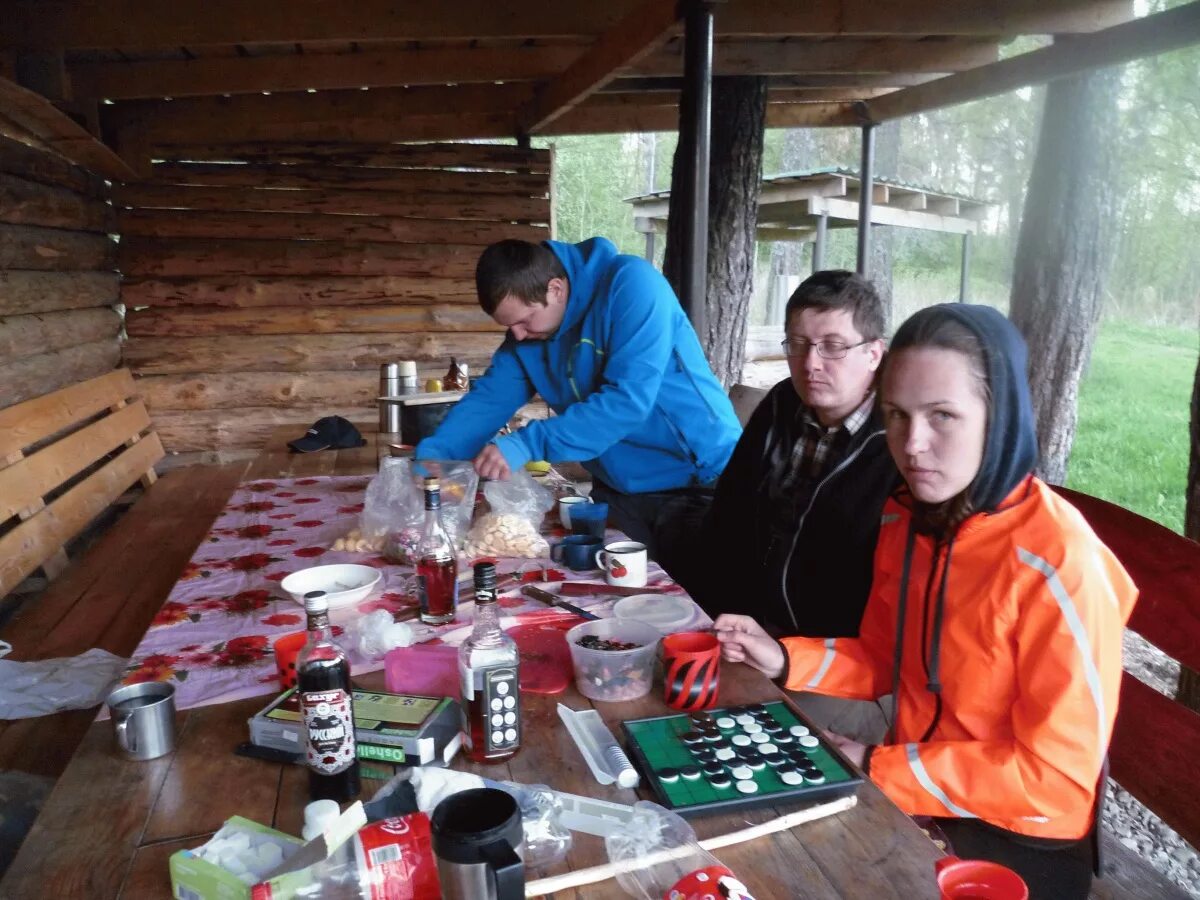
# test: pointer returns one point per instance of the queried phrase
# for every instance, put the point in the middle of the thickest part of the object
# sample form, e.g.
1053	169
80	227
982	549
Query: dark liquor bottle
327	708
488	667
437	567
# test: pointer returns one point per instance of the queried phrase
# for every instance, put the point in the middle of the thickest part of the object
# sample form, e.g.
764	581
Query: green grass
1131	445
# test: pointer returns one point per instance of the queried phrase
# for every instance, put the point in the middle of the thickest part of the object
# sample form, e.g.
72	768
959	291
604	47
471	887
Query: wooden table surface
110	824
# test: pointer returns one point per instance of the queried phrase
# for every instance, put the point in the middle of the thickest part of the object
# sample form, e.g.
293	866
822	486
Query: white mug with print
624	563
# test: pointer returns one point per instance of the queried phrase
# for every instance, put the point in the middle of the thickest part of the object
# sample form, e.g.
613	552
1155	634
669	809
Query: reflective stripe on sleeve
888	518
1071	616
826	662
922	776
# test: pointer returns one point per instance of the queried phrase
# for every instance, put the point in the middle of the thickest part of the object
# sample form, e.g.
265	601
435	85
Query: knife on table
588	589
555	600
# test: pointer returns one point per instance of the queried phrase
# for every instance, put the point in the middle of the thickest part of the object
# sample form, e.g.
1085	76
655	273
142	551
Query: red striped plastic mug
691	667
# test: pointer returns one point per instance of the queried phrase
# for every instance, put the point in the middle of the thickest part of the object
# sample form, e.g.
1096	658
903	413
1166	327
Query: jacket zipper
783	580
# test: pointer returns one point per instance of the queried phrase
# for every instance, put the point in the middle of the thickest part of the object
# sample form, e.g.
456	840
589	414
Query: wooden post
965	269
865	196
696	122
818	252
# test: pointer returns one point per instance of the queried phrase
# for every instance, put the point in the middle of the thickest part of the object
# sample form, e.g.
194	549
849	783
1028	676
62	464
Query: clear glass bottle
326	708
437	567
488	667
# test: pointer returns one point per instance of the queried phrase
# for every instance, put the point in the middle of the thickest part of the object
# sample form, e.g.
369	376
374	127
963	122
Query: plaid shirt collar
852	423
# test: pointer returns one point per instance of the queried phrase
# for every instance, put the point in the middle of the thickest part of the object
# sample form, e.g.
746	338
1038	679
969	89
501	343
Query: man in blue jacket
602	338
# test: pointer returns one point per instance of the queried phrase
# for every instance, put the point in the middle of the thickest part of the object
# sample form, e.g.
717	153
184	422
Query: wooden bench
1156	740
67	456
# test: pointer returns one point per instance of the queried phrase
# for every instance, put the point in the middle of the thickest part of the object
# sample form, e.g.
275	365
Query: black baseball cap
331	432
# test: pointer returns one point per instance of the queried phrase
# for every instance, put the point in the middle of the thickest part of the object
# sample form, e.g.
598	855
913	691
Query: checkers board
737	757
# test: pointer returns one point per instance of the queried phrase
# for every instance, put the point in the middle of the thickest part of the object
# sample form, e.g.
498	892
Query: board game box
737	757
393	728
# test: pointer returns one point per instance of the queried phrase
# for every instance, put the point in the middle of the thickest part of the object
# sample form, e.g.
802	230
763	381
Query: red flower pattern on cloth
212	637
282	619
251	561
254	531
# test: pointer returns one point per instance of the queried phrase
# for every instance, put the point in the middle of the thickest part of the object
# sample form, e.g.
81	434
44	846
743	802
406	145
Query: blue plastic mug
589	519
578	551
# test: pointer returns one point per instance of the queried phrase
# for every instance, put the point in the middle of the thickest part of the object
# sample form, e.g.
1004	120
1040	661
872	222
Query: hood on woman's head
1010	448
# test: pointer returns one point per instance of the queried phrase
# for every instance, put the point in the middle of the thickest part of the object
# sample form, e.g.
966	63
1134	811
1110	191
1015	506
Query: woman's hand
744	640
852	750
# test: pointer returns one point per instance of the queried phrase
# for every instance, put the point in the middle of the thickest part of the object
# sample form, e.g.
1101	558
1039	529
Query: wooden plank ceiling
156	79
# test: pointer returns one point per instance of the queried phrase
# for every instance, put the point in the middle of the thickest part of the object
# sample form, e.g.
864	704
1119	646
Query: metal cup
143	717
477	838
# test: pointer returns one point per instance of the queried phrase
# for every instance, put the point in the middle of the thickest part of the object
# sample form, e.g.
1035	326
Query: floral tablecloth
212	638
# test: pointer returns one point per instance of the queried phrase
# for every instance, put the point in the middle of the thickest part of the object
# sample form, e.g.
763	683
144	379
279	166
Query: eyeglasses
825	349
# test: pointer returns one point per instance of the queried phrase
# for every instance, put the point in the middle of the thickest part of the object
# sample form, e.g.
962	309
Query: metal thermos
395	379
477	838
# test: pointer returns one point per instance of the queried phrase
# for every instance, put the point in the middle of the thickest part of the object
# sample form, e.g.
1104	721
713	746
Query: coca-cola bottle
326	708
437	567
488	667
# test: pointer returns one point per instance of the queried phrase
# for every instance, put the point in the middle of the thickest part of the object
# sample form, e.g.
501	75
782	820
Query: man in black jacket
790	537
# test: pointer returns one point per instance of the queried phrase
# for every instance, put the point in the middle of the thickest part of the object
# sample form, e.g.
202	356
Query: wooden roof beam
1153	34
788	57
135	25
649	26
315	116
36	115
320	71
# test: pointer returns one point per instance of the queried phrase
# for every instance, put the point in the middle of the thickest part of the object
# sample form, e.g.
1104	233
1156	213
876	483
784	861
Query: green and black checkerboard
736	757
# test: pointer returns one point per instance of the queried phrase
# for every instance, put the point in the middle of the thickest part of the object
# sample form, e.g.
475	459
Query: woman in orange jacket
995	616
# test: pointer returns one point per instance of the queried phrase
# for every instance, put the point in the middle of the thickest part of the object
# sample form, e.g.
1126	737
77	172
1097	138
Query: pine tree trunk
1062	253
1189	680
735	175
879	265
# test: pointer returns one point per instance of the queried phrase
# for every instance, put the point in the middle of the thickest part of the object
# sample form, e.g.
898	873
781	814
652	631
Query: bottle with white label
326	708
488	667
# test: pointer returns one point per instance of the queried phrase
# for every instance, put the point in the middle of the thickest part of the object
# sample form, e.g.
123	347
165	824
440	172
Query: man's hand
744	640
852	750
490	463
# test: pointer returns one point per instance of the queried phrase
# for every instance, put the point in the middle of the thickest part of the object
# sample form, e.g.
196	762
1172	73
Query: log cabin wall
265	284
58	280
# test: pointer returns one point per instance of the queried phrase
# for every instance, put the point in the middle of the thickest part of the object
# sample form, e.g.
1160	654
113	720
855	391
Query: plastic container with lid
614	675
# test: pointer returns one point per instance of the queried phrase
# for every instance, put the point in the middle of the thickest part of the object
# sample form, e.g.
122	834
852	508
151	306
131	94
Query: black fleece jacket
829	567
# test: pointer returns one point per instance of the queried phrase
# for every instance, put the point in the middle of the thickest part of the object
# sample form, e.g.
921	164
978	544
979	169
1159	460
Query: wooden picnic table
110	824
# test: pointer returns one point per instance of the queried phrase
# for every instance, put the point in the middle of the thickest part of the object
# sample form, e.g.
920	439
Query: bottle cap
485	576
432	484
408	368
316	602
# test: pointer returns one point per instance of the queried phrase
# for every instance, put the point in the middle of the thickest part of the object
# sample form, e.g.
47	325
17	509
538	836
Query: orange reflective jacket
1029	665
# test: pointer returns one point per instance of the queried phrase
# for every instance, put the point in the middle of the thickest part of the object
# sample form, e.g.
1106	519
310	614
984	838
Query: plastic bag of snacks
394	506
518	506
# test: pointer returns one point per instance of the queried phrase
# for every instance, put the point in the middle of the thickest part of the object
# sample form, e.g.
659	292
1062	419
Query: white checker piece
742	740
798	730
725	754
741	773
725	722
759	738
810	741
751	727
792	778
747	787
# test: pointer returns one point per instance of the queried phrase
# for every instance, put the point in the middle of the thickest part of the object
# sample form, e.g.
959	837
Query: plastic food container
614	675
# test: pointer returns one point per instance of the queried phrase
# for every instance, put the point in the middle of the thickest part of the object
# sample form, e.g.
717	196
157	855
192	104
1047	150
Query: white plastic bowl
344	584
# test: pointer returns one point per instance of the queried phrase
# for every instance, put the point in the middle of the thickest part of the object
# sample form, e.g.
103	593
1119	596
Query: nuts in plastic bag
518	506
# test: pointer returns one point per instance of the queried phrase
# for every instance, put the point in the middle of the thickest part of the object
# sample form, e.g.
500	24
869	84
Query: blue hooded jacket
635	398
